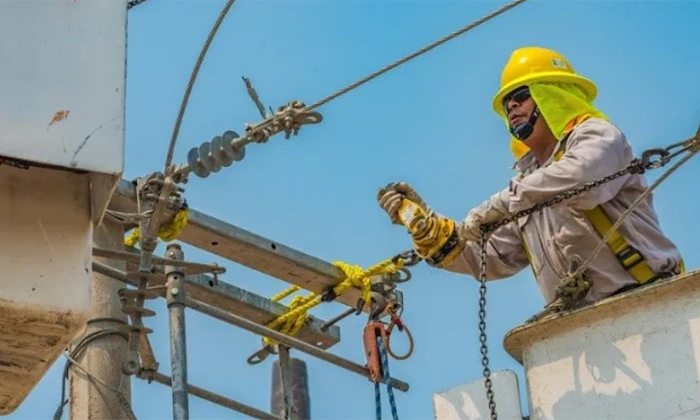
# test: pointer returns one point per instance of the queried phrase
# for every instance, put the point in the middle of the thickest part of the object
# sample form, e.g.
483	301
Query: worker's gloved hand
390	198
490	211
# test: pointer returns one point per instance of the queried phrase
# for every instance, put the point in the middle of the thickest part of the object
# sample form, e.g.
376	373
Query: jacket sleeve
594	150
505	255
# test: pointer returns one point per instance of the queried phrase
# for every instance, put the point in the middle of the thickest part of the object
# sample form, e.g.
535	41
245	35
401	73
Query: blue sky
429	123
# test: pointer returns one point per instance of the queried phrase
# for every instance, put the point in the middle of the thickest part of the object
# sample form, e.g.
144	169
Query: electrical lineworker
560	141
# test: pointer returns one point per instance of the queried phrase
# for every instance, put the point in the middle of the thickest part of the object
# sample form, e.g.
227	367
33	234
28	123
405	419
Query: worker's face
519	107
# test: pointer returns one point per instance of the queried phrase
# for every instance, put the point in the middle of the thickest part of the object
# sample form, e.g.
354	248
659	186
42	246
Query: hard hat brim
552	76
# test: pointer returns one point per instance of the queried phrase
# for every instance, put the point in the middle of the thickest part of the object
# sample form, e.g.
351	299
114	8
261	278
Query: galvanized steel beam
215	398
251	250
313	350
229	298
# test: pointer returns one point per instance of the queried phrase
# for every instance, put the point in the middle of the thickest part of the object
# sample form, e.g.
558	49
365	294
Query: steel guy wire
425	49
340	92
193	77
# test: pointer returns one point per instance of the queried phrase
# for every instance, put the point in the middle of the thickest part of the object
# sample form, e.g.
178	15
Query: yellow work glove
434	238
391	197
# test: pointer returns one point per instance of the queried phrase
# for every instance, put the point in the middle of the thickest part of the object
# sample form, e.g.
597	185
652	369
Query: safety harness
629	257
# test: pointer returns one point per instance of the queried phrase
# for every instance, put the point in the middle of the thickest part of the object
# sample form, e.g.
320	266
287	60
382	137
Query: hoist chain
651	159
482	328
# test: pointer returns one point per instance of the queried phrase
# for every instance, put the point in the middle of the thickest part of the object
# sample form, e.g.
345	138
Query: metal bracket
288	118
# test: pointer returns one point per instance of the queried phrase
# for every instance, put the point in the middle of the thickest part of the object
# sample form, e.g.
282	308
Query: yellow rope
291	322
167	233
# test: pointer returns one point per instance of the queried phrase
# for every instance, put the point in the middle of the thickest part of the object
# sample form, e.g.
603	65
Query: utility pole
102	356
290	387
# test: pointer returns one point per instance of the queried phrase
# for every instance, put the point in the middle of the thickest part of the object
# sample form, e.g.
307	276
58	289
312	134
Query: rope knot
355	276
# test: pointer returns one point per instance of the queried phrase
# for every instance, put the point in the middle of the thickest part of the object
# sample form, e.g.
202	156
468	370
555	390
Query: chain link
482	327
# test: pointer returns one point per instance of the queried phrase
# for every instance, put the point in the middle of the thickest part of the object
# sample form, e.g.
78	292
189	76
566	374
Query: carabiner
405	279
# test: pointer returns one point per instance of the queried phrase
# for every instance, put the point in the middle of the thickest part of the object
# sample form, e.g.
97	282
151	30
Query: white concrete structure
61	156
632	356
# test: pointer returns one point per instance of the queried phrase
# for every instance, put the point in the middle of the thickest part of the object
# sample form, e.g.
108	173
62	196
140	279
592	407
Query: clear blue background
428	122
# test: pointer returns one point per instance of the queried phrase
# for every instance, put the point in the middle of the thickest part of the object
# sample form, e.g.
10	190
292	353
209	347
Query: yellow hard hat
535	64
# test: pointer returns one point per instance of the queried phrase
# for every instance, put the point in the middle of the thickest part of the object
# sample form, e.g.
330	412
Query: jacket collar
528	161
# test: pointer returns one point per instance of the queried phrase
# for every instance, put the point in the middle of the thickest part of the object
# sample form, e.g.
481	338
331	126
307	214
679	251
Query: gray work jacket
562	234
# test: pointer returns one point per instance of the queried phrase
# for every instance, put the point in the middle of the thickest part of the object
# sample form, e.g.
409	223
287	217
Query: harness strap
629	257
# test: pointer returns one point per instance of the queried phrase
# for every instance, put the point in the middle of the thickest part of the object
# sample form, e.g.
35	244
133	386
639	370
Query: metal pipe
232	299
215	398
262	330
326	325
289	341
176	296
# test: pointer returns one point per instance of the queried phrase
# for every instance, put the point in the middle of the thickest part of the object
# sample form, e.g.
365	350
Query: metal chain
482	328
647	161
558	199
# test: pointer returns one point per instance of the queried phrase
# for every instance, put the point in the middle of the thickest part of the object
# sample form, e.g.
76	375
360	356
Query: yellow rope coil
291	322
167	233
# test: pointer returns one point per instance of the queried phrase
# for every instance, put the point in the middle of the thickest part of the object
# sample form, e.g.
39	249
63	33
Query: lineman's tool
435	238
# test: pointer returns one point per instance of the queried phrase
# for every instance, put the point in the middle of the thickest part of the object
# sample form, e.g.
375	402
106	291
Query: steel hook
648	161
408	274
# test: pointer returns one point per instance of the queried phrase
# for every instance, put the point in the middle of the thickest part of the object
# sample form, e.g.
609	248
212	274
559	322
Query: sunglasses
519	95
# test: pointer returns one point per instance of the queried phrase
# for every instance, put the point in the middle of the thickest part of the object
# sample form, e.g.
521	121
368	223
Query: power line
417	53
193	77
337	94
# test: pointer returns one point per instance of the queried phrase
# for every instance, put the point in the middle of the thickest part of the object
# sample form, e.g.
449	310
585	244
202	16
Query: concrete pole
294	379
102	357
